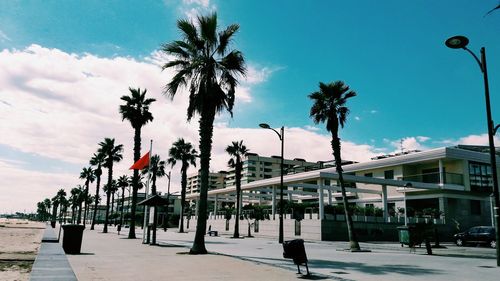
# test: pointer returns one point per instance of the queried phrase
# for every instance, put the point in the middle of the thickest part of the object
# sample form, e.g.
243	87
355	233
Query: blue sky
392	53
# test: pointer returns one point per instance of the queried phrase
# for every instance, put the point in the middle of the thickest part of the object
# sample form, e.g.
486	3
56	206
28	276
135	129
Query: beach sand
19	244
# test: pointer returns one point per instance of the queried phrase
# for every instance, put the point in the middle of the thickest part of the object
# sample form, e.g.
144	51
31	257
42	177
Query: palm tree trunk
112	202
123	200
238	195
353	242
96	199
86	207
206	133
135	182
183	194
79	211
108	193
155	212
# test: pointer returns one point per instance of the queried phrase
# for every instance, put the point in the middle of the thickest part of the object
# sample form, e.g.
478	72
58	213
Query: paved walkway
51	263
113	257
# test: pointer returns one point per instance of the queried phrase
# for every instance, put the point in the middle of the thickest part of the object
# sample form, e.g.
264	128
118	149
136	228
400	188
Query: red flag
141	163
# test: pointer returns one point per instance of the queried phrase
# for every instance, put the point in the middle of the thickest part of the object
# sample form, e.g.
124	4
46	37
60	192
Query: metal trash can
72	239
294	249
404	235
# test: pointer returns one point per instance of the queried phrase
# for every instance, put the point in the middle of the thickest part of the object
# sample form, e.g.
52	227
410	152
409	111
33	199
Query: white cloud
60	105
4	37
203	3
357	118
193	8
256	75
373	111
311	128
409	143
21	189
472	140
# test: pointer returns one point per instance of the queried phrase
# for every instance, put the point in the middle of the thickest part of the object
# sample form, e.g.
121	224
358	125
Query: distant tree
123	182
207	67
185	153
136	111
97	160
237	150
56	201
113	153
74	201
329	105
87	174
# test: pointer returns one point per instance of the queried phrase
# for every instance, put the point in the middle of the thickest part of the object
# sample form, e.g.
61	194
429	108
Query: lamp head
264	126
457	42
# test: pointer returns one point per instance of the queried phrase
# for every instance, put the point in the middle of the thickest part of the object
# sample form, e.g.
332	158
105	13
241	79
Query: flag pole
145	226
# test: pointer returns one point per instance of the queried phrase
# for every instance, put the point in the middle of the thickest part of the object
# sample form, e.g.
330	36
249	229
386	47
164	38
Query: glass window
369	175
389	174
480	177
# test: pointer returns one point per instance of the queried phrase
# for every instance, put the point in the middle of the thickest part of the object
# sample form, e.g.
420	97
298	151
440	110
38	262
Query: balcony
448	178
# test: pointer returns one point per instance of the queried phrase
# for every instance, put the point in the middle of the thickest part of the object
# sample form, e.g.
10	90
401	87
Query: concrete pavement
113	257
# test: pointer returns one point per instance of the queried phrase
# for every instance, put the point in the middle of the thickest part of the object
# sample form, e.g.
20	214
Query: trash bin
414	234
294	249
72	239
53	224
404	235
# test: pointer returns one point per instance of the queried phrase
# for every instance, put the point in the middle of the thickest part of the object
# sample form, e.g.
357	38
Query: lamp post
282	139
460	42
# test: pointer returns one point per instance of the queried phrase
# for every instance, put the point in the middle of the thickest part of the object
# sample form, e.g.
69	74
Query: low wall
310	228
316	230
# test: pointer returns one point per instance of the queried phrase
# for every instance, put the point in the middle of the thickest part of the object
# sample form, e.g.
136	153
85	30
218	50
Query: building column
215	206
197	207
384	202
321	201
330	200
273	203
443	205
441	172
289	195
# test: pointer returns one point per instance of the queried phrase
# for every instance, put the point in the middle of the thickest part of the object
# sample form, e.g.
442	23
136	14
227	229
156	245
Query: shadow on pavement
405	269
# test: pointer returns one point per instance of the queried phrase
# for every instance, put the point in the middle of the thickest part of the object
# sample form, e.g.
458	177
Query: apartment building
255	167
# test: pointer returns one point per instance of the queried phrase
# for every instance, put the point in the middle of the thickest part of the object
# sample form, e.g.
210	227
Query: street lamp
460	42
282	139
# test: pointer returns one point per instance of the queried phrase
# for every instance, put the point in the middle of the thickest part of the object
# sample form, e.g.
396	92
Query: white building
454	180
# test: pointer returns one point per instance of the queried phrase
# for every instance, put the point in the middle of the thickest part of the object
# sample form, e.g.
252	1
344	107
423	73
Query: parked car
477	235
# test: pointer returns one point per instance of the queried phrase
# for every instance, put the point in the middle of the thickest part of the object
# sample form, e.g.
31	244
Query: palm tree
111	189
237	150
330	107
97	160
74	201
156	169
123	182
88	175
136	111
113	153
63	209
203	60
185	153
57	201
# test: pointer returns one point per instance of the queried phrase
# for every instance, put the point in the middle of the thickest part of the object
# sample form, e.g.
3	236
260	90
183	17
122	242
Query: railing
448	178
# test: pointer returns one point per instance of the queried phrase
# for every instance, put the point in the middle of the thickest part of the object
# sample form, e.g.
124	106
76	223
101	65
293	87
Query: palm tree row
204	64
